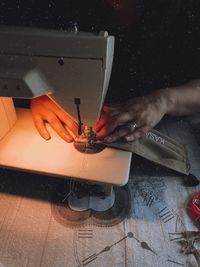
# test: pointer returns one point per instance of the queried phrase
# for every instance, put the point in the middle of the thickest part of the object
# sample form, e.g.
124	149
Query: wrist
167	100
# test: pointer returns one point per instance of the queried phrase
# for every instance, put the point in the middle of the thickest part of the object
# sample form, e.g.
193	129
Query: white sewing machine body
66	66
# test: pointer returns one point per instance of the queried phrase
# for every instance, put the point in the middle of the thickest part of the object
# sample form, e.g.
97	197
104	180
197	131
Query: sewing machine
73	68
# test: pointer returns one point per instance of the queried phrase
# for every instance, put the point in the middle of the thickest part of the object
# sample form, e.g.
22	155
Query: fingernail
69	139
46	136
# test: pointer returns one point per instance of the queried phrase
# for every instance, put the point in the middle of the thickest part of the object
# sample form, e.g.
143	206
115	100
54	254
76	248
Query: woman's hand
44	110
132	120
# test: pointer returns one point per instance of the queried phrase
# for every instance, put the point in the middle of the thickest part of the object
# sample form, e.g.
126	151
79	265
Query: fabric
159	149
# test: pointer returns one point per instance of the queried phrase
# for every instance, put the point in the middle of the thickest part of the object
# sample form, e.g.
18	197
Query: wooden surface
32	236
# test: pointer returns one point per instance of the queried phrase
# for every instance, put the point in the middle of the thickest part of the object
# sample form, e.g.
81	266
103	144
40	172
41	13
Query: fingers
55	123
112	110
121	132
68	121
137	134
103	121
45	110
112	123
108	127
107	124
113	128
107	109
64	117
106	117
118	134
40	126
59	128
127	134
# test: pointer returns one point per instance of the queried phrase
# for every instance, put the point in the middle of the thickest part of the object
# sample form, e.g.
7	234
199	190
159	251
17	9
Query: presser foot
88	147
87	142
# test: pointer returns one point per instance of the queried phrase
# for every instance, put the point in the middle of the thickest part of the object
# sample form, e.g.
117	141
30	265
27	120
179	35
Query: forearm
181	100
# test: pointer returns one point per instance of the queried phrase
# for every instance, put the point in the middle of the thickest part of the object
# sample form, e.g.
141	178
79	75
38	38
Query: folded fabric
159	149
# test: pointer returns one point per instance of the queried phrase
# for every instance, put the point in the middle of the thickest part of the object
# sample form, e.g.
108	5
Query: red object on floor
195	205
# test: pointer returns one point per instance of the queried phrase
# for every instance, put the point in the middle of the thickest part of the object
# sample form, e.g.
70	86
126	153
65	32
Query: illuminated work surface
24	149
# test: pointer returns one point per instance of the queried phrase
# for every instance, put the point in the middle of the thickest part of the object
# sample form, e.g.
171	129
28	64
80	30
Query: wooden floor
32	236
